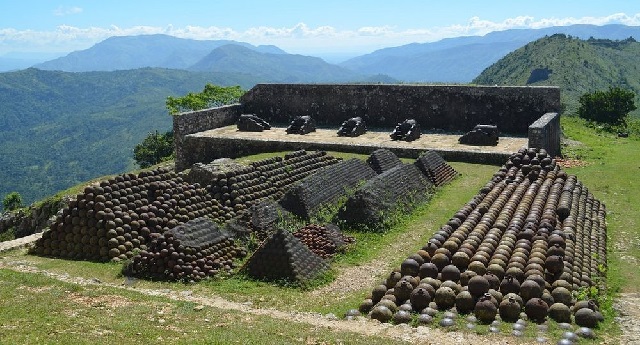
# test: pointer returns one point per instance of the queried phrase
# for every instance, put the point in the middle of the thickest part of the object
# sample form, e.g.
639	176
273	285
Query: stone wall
452	108
199	121
208	149
545	133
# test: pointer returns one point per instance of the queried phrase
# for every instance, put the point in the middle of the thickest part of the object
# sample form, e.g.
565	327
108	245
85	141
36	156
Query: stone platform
229	142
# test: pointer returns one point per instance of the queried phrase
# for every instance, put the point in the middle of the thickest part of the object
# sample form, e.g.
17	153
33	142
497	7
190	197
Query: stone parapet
545	133
446	107
199	121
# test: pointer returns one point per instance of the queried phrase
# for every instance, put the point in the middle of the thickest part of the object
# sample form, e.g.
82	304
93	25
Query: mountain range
131	52
451	60
79	116
460	59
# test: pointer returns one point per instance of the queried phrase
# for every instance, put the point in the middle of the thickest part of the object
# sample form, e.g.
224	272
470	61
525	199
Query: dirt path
363	326
628	307
349	280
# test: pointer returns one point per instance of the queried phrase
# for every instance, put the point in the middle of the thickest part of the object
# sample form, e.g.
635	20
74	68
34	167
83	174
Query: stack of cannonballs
527	242
436	168
324	240
188	252
382	160
266	179
325	187
396	189
112	219
283	256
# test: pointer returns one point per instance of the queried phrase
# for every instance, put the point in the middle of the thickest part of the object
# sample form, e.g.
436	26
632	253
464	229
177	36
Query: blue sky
304	27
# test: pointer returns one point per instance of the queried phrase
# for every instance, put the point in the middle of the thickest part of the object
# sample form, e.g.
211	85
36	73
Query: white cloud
65	11
299	38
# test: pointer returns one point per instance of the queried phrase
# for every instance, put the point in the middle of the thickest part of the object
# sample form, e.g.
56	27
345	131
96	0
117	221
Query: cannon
353	127
302	125
252	123
481	135
408	130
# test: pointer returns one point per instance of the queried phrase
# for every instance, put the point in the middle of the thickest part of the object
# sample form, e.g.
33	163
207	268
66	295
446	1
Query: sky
327	27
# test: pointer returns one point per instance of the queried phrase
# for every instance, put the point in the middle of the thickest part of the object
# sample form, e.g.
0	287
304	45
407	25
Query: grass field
38	309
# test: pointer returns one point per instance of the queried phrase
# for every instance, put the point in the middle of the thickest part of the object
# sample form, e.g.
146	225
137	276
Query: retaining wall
452	108
206	149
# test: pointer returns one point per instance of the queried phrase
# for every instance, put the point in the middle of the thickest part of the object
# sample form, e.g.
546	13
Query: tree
609	107
12	201
211	96
154	149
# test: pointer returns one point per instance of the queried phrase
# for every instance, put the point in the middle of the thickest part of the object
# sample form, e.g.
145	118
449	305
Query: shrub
607	107
12	201
154	149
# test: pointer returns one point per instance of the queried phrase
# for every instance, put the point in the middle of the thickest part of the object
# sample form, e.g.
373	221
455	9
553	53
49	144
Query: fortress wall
515	110
198	121
447	107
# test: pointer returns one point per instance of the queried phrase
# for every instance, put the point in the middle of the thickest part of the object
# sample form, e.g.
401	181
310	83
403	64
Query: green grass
41	310
611	174
612	164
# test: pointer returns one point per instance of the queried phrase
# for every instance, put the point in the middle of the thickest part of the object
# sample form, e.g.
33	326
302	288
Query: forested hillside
58	129
576	66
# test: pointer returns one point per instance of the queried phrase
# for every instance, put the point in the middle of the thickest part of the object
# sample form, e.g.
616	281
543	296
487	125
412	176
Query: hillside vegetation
59	128
576	66
461	59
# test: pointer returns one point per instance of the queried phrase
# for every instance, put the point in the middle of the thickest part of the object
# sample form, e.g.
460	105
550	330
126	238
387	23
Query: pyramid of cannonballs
399	187
325	187
436	168
188	252
382	160
238	189
283	256
324	240
530	239
260	220
116	217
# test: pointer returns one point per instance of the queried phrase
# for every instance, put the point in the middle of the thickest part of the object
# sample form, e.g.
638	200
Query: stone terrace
528	116
276	139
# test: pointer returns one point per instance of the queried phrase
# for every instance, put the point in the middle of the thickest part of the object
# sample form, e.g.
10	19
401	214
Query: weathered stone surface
198	121
545	133
448	107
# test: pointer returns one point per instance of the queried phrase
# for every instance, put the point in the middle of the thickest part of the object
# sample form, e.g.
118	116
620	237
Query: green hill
576	66
285	68
59	128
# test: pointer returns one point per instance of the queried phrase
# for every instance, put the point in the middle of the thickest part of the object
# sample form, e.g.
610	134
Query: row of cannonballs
524	244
